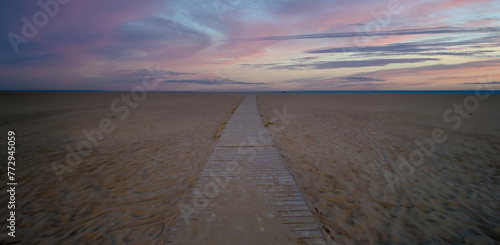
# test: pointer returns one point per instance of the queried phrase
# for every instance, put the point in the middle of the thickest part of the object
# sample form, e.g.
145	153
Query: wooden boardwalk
246	194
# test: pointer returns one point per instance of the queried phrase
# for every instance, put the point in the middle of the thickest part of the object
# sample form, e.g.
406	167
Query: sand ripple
343	152
129	188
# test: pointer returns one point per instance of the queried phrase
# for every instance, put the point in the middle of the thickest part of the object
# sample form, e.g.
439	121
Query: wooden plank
246	194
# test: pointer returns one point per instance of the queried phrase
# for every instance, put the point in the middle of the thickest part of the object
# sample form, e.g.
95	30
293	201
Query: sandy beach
250	122
128	188
344	153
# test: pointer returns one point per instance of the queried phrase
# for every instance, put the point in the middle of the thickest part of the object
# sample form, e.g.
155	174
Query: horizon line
274	91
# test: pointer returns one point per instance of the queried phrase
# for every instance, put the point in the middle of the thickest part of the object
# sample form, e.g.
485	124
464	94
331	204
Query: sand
129	187
343	151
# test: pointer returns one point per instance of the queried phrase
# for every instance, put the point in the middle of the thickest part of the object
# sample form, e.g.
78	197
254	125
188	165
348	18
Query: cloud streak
29	60
470	47
363	79
220	81
350	63
401	32
483	83
158	73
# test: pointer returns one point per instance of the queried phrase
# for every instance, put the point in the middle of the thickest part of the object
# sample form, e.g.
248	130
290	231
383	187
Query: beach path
246	194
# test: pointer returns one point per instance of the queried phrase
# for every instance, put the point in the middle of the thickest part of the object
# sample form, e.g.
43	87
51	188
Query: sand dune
343	151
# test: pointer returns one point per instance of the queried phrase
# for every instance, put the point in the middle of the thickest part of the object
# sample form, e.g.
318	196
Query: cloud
30	60
416	31
465	71
468	54
339	83
430	47
305	80
350	63
162	73
261	66
153	37
484	83
98	44
365	83
304	59
364	86
218	81
363	79
438	67
125	78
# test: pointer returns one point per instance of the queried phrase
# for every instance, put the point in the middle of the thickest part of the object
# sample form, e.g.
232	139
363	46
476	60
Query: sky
250	45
